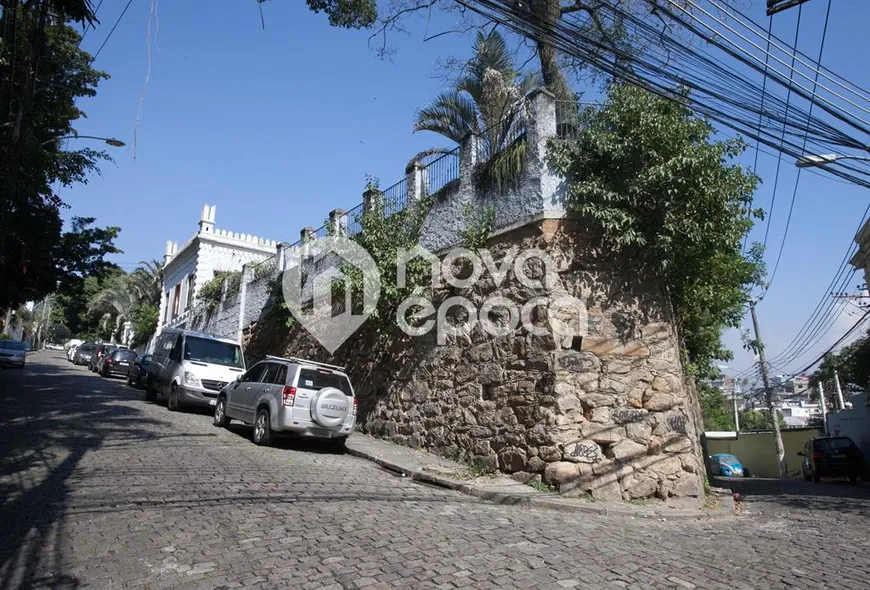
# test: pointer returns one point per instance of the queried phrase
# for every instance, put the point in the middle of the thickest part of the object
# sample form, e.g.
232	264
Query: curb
551	501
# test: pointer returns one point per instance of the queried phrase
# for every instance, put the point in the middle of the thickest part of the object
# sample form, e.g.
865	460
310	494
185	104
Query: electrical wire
716	90
798	176
760	115
90	26
111	32
797	31
834	345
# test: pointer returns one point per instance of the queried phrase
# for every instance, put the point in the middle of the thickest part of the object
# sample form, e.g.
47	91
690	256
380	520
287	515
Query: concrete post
247	277
542	120
338	222
372	201
414	181
468	158
281	250
306	236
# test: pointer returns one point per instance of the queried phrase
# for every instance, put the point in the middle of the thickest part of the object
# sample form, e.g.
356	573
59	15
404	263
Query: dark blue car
727	464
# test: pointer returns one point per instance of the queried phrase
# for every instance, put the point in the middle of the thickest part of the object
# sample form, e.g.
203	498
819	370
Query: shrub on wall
210	293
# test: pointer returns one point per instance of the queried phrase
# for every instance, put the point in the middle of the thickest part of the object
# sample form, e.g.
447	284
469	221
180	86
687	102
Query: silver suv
291	396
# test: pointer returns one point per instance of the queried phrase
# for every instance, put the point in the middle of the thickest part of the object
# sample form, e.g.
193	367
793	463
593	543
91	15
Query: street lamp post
813	160
109	140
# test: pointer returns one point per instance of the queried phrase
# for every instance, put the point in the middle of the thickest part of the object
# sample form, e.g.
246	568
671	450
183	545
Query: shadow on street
41	445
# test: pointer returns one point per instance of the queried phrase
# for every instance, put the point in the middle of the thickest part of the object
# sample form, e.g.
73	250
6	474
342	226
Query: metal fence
440	171
353	220
569	120
395	198
501	135
266	267
322	231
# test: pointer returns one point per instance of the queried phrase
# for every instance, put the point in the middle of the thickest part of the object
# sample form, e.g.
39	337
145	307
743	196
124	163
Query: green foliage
346	14
72	300
478	226
210	293
489	103
5	336
645	171
714	408
852	364
384	237
758	420
144	317
38	98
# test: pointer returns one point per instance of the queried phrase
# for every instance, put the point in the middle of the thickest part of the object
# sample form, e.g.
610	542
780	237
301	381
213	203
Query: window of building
190	283
176	299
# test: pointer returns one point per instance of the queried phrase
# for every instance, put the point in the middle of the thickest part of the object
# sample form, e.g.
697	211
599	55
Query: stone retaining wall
608	414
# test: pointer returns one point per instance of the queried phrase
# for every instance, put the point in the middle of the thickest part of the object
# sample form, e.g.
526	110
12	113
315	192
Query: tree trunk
548	13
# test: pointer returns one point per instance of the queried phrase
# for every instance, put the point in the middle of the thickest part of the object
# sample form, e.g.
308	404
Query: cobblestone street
101	489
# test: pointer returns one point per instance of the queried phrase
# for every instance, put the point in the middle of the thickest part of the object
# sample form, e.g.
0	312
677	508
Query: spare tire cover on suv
329	407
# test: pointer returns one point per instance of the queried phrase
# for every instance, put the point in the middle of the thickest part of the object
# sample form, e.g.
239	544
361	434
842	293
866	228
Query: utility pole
824	407
736	416
768	396
839	391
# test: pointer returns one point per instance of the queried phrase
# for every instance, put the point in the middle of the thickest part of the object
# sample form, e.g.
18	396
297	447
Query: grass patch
540	486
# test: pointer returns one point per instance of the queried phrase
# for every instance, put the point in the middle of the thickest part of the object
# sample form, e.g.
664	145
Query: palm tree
116	302
146	282
488	100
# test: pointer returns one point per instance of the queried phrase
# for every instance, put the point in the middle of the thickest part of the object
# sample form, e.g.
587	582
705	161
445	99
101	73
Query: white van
191	368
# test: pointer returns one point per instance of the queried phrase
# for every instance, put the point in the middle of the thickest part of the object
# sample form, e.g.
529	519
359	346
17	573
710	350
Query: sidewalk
428	468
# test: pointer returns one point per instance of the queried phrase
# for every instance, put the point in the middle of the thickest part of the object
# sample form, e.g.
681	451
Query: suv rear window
832	444
124	355
314	379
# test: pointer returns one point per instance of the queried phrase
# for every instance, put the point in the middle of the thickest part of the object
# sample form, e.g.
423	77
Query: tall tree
44	72
486	101
646	172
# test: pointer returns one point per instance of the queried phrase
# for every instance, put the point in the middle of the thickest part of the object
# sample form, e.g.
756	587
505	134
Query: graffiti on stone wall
677	423
583	451
627	415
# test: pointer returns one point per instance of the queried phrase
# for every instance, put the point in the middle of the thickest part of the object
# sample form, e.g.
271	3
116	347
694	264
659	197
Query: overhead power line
718	90
112	31
798	176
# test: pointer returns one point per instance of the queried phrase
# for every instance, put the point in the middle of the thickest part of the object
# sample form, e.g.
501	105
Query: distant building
189	267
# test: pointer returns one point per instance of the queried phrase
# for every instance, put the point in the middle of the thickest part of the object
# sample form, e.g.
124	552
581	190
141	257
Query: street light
109	140
822	159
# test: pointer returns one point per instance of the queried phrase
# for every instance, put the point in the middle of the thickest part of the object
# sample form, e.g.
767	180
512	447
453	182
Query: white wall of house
188	268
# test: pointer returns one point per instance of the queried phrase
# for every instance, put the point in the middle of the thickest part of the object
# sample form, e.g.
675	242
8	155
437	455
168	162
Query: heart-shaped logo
322	279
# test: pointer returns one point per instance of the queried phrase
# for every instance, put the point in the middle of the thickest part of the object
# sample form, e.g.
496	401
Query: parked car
137	374
100	363
71	352
84	353
13	354
728	465
101	352
189	367
117	363
833	456
291	396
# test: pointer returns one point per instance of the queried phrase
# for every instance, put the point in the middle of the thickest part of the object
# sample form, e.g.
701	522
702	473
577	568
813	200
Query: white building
189	267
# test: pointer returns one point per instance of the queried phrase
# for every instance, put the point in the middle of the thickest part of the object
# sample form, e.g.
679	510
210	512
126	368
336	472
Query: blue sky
278	126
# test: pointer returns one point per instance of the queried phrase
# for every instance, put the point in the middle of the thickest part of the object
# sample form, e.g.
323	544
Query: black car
117	362
833	456
137	374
